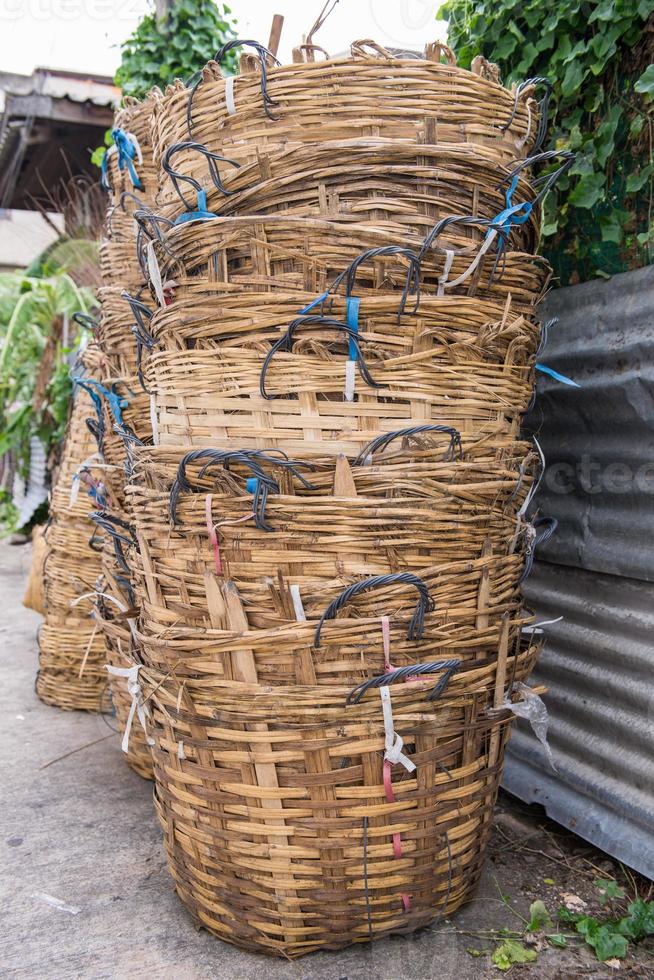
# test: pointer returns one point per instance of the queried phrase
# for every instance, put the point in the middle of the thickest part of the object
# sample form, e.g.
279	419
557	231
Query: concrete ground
77	825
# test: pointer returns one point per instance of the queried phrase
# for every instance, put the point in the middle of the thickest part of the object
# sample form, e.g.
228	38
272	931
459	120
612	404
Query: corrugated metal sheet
597	571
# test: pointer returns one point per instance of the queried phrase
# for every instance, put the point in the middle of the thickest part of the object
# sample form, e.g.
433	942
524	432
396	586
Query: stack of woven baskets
326	537
124	415
71	649
330	520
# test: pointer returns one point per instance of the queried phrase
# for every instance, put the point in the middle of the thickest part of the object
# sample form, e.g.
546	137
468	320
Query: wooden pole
275	33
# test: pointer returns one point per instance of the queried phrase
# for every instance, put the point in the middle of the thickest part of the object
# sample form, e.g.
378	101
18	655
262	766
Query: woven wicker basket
115	333
71	649
116	616
279	254
71	672
370	93
287	832
401	186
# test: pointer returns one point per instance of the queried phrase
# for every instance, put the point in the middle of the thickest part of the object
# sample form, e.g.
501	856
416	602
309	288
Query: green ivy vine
598	54
158	53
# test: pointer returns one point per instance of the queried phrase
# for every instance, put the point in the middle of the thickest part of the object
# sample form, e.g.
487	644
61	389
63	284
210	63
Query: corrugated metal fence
597	571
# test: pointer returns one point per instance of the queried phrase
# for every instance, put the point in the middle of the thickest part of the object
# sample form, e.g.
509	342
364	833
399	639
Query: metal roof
597	571
50	123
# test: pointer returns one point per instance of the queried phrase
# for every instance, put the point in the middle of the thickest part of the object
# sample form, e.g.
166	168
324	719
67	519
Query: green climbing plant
158	53
597	53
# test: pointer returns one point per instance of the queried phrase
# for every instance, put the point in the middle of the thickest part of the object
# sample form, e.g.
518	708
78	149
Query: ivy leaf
603	11
636	182
539	917
574	76
588	191
612	231
645	84
605	138
636	126
511	952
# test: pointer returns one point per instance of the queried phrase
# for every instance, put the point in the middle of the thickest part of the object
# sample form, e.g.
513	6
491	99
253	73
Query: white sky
84	35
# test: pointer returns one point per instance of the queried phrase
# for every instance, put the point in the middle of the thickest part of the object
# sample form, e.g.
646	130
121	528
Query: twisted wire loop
542	530
264	56
111	524
543	107
454	450
142	335
211	158
425	602
413	278
285	343
86	321
149	229
546	181
248	458
448	667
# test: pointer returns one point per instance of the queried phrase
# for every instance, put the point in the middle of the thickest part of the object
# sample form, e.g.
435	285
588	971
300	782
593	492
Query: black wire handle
546	181
211	159
449	668
425	602
149	228
111	525
142	334
544	528
454	450
249	458
412	280
264	55
285	343
543	107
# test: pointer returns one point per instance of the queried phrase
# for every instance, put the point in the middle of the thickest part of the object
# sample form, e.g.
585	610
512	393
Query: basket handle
303	53
211	160
369	50
111	525
454	450
251	458
142	334
546	181
263	54
412	280
543	107
449	668
436	51
285	343
425	602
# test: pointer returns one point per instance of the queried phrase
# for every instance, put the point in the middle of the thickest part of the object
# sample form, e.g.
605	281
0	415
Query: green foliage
610	938
157	54
599	219
29	305
511	952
